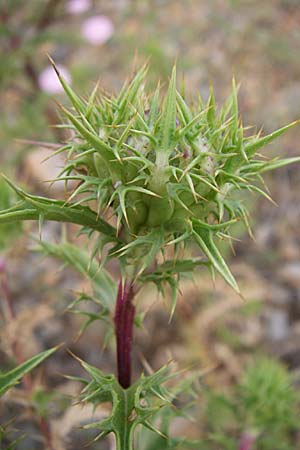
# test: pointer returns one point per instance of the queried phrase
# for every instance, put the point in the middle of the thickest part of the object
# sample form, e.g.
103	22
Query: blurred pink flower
97	30
49	82
247	441
78	6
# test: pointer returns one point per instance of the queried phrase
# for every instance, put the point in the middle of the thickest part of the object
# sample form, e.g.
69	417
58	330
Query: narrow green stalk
124	433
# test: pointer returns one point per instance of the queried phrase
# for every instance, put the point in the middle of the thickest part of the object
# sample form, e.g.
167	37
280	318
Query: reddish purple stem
124	317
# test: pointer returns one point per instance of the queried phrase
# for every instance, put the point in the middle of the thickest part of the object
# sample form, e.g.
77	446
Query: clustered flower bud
168	172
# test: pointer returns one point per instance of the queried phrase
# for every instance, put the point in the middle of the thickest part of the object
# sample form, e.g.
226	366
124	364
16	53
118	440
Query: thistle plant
262	409
153	177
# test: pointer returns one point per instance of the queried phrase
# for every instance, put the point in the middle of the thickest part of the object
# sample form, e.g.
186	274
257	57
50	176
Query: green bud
101	166
160	211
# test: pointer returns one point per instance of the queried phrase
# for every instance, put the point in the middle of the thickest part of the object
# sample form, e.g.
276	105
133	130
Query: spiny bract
168	172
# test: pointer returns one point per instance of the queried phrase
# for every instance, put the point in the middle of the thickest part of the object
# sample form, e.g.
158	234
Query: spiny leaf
183	109
204	239
234	109
97	374
154	108
75	100
168	116
128	95
9	379
213	226
80	260
257	143
32	207
174	294
176	266
105	150
262	166
211	109
191	123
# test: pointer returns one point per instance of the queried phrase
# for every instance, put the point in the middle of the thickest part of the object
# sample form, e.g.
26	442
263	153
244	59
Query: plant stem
124	317
48	15
46	432
124	435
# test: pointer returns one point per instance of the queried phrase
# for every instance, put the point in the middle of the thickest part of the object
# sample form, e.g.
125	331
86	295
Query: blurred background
91	40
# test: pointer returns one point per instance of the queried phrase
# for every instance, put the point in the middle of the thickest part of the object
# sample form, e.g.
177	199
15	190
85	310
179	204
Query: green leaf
105	150
8	232
211	109
205	241
263	166
177	266
214	226
168	117
141	404
188	127
9	379
5	435
252	146
75	100
154	108
32	207
183	109
234	110
129	95
102	282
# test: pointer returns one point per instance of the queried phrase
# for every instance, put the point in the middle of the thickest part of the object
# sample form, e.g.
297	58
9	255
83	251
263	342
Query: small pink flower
97	30
49	82
78	6
247	440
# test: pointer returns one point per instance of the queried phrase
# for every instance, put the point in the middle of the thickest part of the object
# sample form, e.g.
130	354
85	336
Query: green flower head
168	172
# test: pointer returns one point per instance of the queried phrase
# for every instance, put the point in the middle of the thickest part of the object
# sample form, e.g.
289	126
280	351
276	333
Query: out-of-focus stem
48	14
124	318
46	432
